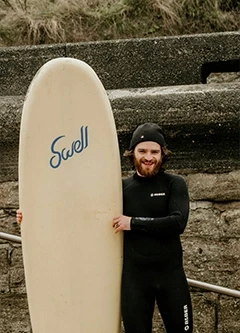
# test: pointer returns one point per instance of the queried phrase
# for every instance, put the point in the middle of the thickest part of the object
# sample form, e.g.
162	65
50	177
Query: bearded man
155	213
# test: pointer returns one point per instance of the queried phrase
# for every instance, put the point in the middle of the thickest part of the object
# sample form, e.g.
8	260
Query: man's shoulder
127	180
172	177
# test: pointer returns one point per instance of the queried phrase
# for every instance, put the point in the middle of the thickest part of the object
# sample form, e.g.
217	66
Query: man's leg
137	302
174	302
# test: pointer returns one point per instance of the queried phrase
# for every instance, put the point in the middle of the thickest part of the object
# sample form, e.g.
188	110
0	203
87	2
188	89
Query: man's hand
19	217
121	222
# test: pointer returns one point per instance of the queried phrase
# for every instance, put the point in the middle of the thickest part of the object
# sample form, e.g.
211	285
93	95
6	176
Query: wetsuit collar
147	179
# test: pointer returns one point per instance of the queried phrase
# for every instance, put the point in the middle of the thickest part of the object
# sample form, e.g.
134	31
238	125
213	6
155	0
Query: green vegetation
55	21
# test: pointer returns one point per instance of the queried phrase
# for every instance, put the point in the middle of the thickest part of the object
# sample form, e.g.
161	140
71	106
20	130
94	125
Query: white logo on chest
157	194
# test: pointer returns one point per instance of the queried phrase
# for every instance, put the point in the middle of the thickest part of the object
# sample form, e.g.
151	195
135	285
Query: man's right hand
19	217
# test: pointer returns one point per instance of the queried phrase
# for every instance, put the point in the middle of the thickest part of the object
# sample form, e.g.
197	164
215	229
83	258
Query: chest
147	201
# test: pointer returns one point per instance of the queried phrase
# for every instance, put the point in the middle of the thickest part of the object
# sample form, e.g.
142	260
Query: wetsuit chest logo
162	194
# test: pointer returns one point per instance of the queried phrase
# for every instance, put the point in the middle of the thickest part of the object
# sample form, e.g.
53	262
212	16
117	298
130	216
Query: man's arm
178	208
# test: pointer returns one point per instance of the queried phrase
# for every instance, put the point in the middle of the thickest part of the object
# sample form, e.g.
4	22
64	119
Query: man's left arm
178	209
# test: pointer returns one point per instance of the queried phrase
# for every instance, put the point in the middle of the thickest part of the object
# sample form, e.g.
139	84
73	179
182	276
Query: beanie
147	132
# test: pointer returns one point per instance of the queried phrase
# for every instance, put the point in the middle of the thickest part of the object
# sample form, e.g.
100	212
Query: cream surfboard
70	190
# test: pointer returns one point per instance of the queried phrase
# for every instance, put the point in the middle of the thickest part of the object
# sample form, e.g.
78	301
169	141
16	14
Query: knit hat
147	132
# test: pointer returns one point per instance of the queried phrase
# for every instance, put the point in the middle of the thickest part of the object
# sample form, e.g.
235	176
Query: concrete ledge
129	63
201	123
18	65
160	61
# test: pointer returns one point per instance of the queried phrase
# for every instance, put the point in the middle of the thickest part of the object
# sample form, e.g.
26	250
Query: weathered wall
201	123
202	128
133	63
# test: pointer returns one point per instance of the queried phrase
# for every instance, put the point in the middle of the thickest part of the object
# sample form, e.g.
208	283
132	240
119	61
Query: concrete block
212	261
215	220
228	315
131	63
162	61
14	315
217	188
17	277
201	125
8	195
8	223
18	65
203	222
204	312
230	220
4	269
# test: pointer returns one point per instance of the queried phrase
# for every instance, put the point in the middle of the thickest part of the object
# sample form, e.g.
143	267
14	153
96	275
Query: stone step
132	63
201	123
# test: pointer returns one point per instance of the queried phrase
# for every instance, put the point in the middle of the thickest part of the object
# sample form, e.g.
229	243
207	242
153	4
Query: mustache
144	160
138	164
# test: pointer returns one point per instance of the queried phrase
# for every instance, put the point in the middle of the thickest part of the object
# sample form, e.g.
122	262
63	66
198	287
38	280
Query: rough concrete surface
133	63
201	123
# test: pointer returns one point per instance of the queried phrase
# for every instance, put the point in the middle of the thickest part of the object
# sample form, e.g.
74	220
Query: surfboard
69	192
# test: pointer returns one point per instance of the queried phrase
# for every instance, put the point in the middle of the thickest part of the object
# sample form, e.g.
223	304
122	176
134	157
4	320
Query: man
155	213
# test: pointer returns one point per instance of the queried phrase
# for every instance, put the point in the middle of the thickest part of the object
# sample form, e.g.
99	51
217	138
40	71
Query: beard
144	171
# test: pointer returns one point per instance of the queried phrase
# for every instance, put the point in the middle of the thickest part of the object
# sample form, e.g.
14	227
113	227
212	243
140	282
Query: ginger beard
147	168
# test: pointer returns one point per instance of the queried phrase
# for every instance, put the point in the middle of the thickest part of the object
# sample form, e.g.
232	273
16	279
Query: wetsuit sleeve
178	208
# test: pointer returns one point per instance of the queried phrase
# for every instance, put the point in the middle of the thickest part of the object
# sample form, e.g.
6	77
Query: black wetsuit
152	267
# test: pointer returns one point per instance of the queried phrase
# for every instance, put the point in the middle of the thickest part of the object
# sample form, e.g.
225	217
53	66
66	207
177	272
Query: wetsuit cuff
131	223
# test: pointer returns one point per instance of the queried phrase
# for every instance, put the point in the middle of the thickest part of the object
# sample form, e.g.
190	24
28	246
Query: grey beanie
147	132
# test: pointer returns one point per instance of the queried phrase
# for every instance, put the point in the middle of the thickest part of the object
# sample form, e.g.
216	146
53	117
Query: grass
31	22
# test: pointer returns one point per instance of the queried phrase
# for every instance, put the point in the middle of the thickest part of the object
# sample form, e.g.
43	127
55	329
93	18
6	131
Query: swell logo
64	154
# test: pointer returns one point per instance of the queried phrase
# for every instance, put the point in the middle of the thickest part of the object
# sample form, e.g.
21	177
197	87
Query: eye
155	152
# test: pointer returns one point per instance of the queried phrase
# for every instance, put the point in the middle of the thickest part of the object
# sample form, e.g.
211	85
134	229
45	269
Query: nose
148	156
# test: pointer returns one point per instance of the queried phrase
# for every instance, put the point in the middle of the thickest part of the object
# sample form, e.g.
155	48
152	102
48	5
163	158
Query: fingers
116	220
117	224
19	217
121	222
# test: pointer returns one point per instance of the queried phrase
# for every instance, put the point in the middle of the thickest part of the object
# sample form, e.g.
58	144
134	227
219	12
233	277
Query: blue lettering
67	155
76	147
86	137
57	154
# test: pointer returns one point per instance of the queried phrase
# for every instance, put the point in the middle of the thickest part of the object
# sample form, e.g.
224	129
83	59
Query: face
147	158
